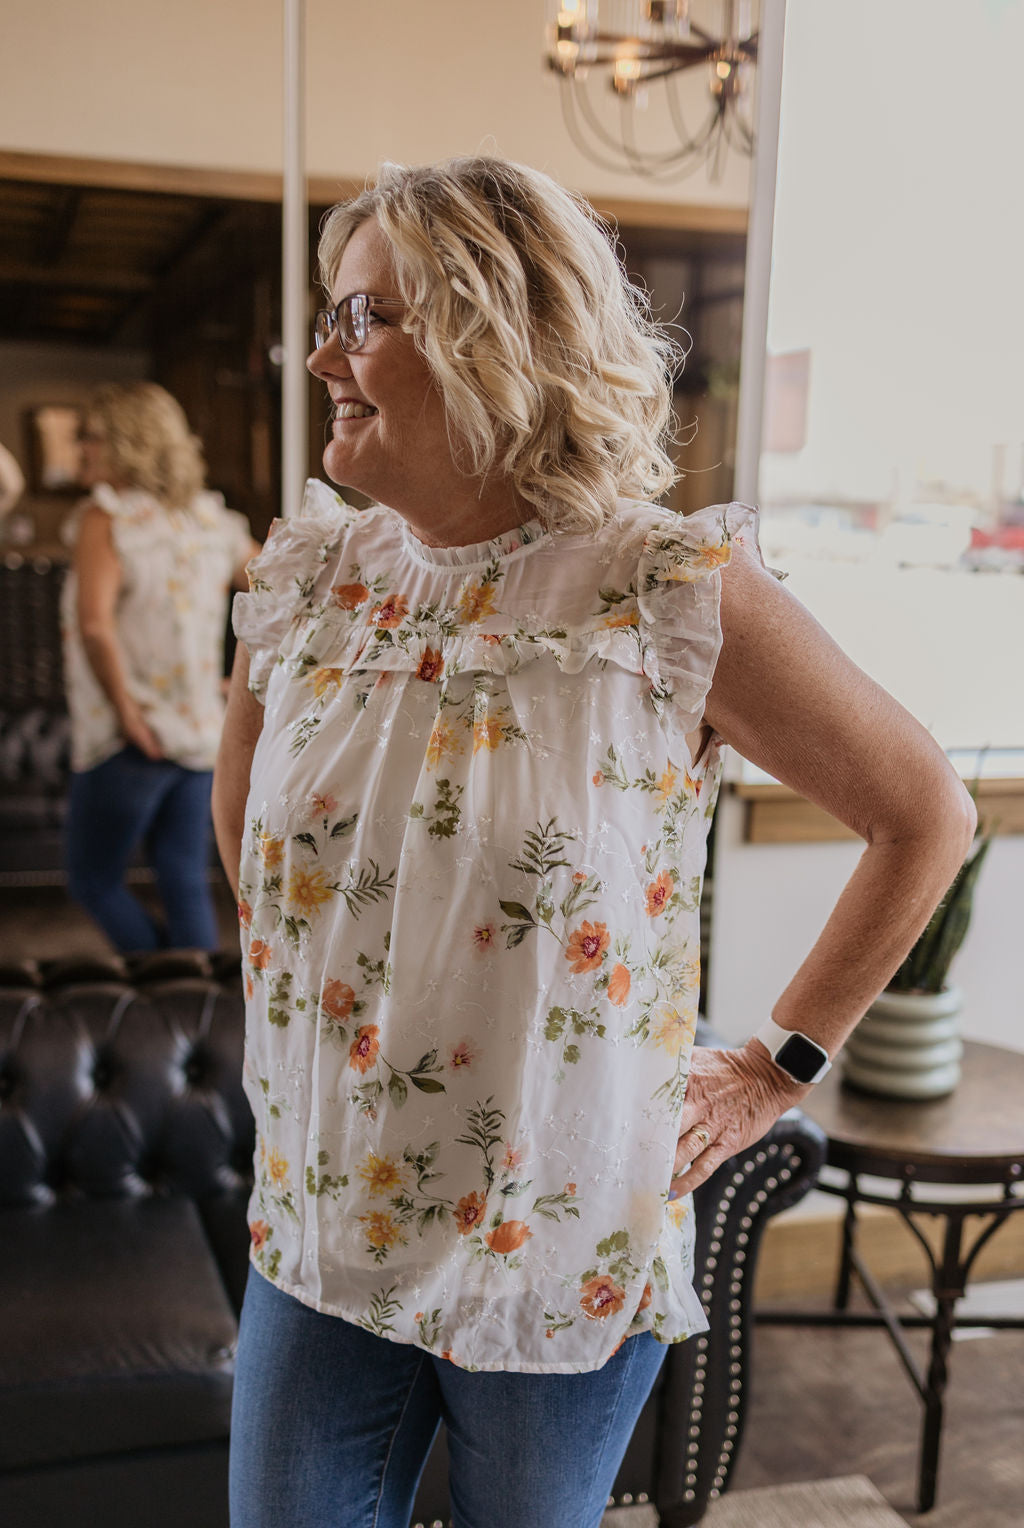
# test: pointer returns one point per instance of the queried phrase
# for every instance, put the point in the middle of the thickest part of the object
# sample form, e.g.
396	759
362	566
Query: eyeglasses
350	319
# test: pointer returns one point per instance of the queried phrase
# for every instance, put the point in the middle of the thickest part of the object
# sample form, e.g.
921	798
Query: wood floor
828	1402
824	1402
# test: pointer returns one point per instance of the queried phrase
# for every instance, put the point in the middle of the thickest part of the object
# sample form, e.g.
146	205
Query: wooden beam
266	186
776	815
116	280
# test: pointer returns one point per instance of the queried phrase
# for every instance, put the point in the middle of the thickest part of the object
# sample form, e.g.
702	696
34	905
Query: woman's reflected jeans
331	1427
123	802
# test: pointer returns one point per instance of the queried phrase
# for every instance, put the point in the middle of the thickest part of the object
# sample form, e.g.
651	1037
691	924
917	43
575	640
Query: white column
759	251
295	337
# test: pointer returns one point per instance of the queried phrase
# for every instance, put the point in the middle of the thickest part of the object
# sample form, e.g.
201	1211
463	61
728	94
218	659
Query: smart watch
797	1054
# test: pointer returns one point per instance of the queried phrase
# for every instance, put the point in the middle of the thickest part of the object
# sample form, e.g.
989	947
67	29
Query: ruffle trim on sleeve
283	576
678	595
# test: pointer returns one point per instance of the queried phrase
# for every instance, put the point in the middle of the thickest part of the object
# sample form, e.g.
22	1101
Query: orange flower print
259	1231
381	1230
578	877
271	851
350	596
380	1174
645	1298
586	947
618	986
597	779
363	1050
324	679
431	664
658	894
336	1000
245	914
691	784
601	1296
469	1212
277	1167
486	734
249	988
485	937
512	1161
308	890
390	612
508	1237
259	954
624	618
444	743
475	602
463	1055
570	1188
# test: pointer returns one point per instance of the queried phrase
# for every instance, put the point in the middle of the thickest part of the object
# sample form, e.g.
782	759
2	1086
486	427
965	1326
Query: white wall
771	902
198	83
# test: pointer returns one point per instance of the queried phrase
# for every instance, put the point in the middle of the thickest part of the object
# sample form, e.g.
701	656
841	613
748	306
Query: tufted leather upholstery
125	1164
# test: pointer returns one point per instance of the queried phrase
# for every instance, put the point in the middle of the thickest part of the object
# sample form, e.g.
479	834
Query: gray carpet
852	1502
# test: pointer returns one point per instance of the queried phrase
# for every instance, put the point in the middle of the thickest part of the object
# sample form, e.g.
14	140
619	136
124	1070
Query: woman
143	617
471	752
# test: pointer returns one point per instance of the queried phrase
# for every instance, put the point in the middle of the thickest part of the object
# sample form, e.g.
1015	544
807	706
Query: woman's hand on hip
136	730
732	1098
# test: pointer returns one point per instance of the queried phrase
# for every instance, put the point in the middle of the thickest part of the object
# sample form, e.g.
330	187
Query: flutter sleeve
283	578
678	596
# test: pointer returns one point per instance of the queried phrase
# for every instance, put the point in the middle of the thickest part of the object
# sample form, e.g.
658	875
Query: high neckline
478	552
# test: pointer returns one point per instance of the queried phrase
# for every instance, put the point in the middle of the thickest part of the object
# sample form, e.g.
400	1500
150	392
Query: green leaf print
383	1306
368	887
543	849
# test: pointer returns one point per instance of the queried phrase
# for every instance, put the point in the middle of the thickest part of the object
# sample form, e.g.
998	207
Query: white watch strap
773	1037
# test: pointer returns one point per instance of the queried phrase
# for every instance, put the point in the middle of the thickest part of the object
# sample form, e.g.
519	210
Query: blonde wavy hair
552	370
149	443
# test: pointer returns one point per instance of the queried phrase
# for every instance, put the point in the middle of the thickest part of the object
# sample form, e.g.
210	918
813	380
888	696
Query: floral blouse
470	884
177	567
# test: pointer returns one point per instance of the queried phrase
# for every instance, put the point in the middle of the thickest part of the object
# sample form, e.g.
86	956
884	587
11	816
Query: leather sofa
125	1164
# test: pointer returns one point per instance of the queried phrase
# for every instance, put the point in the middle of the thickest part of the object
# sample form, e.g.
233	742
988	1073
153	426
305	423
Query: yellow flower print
277	1167
380	1174
678	1210
271	851
667	783
624	618
674	1029
715	556
381	1230
444	743
486	734
475	602
324	679
308	890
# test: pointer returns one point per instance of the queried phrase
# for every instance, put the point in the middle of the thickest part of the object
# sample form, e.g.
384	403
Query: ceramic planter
907	1045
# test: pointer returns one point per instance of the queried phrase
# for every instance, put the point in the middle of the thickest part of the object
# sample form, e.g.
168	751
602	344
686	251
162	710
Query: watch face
800	1057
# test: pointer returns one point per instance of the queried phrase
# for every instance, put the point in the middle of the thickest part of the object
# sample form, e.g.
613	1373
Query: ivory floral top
469	901
177	567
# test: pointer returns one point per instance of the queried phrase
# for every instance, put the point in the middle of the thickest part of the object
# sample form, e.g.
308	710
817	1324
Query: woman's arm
791	701
98	576
243	723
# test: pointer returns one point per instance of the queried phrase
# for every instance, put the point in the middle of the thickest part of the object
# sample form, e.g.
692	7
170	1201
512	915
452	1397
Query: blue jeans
331	1427
113	808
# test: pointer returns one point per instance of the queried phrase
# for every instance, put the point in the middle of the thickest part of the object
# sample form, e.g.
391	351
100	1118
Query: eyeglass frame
361	303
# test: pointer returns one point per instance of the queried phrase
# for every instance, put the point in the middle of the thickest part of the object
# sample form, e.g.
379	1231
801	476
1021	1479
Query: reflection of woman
469	784
144	615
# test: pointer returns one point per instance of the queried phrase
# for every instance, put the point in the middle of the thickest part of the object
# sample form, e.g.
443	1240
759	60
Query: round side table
972	1140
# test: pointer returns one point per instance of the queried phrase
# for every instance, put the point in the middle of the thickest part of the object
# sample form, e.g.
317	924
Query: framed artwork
53	449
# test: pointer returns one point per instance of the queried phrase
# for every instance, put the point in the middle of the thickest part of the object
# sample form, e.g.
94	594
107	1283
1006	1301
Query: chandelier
628	46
